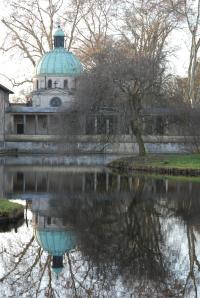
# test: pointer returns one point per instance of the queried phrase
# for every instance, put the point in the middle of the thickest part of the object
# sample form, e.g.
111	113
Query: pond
89	232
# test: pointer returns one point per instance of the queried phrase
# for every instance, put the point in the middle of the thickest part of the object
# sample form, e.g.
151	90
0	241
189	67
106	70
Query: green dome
56	243
59	62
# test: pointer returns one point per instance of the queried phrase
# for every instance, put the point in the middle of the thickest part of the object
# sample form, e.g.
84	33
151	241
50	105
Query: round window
55	102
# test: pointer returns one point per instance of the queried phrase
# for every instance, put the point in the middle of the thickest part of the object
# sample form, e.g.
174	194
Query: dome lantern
59	61
59	38
57	264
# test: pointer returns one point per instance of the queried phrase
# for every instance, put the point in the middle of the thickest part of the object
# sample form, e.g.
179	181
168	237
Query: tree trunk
138	135
192	71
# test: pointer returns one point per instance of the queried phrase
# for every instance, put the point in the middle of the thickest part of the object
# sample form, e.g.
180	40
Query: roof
59	32
6	89
31	110
59	62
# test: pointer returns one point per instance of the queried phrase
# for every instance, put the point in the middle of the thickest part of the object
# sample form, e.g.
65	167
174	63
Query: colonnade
36	124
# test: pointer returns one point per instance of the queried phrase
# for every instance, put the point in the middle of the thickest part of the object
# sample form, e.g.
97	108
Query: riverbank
166	164
10	211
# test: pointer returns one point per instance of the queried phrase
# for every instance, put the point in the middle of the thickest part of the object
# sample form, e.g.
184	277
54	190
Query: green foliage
7	208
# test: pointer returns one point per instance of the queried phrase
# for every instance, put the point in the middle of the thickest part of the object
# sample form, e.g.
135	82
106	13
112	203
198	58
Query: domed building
52	115
34	126
56	75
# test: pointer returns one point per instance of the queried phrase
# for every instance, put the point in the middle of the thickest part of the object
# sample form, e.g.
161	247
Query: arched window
49	83
66	84
55	102
37	84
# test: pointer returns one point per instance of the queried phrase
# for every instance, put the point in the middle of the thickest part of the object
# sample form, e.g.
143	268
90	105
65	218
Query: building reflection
52	233
36	182
116	225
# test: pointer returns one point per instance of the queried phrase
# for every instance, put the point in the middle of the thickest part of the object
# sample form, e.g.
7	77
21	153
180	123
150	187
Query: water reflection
52	233
99	234
8	227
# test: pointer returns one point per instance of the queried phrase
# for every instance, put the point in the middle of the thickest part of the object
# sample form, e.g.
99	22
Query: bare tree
145	26
30	26
119	80
188	12
95	30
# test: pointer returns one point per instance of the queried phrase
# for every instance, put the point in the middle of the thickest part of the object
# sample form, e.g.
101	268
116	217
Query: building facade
54	85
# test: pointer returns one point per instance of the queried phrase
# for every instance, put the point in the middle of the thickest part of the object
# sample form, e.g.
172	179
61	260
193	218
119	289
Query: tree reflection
123	239
120	245
187	207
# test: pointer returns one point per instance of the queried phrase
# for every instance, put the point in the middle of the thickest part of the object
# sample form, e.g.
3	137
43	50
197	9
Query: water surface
89	232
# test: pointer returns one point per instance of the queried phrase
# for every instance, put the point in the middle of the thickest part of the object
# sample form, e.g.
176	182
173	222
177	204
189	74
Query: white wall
59	80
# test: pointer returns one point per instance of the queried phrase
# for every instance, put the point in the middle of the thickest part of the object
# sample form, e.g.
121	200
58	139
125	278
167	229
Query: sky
16	67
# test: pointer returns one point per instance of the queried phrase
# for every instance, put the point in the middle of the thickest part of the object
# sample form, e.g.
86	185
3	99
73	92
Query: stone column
107	126
154	126
178	187
118	127
190	187
47	182
36	183
95	181
166	185
95	125
24	123
24	183
11	184
107	182
143	125
36	124
83	125
130	181
12	125
166	126
130	130
48	124
118	182
83	182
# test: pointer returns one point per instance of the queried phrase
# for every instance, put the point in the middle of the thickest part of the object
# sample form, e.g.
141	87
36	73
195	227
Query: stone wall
121	144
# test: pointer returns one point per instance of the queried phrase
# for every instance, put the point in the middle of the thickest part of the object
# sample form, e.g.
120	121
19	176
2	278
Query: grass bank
170	164
10	211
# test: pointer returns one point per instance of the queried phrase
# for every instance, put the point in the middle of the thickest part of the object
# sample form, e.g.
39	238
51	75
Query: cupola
59	38
59	61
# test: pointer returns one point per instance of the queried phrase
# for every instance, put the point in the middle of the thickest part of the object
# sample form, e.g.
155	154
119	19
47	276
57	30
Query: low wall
115	144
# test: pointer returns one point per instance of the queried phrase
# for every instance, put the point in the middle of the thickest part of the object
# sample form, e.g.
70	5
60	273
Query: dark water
89	232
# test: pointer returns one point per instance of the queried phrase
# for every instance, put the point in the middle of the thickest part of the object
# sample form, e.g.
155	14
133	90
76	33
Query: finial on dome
58	22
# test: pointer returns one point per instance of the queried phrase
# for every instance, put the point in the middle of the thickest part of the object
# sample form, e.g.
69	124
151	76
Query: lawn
7	208
161	161
185	161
